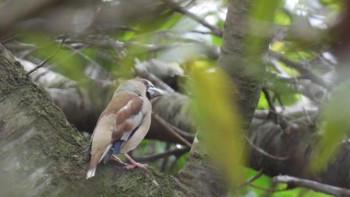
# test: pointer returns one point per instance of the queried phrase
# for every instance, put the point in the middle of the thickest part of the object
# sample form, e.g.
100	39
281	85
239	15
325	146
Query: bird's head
140	86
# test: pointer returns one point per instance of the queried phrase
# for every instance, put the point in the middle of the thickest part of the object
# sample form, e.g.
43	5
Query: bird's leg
134	164
115	158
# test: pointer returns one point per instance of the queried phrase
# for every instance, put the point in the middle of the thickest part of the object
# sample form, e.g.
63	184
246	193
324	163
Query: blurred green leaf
261	16
218	120
282	18
216	40
262	103
180	162
264	11
334	127
127	35
170	22
335	4
62	60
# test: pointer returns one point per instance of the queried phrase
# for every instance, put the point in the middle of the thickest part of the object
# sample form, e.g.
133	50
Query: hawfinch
123	124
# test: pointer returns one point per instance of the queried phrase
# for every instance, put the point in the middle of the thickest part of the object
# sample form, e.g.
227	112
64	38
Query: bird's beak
154	92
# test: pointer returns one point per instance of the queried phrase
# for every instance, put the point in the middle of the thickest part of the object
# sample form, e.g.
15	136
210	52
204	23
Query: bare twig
186	135
201	32
166	159
216	31
307	73
317	186
267	189
175	152
154	79
256	176
269	99
260	150
48	58
253	178
170	129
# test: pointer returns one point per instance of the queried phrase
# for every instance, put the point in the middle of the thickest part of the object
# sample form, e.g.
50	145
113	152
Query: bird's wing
128	119
140	132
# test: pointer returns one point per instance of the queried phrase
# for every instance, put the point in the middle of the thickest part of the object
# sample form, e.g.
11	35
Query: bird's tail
92	167
90	173
94	160
112	150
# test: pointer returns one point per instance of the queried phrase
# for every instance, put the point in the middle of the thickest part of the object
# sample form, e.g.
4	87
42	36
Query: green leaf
218	119
282	18
62	60
335	126
262	103
216	40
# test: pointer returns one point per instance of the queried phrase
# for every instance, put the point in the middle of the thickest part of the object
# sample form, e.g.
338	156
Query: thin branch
83	55
150	76
216	31
269	99
256	176
267	189
201	32
187	135
260	150
170	129
175	152
307	73
253	178
317	186
272	109
166	159
48	58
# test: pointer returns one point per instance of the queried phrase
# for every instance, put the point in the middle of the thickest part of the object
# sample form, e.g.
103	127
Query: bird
123	124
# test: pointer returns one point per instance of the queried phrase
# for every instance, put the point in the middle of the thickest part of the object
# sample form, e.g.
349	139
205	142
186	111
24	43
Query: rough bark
245	72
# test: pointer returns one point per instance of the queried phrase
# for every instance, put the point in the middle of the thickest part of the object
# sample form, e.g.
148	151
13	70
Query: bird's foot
136	165
115	158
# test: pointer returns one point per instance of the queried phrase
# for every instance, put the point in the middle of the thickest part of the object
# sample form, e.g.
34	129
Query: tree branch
216	31
307	73
175	152
317	186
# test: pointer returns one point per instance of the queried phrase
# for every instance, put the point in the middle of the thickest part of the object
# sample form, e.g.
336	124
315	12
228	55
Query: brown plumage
123	124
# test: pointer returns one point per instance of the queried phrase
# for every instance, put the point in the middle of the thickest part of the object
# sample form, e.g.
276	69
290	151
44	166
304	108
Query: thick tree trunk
208	175
245	71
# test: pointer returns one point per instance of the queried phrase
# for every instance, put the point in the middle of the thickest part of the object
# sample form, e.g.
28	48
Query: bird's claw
136	165
115	158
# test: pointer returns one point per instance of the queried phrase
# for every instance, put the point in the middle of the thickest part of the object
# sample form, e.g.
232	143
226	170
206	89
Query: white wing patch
134	120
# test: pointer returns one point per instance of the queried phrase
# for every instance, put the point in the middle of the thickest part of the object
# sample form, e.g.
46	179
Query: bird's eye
146	83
